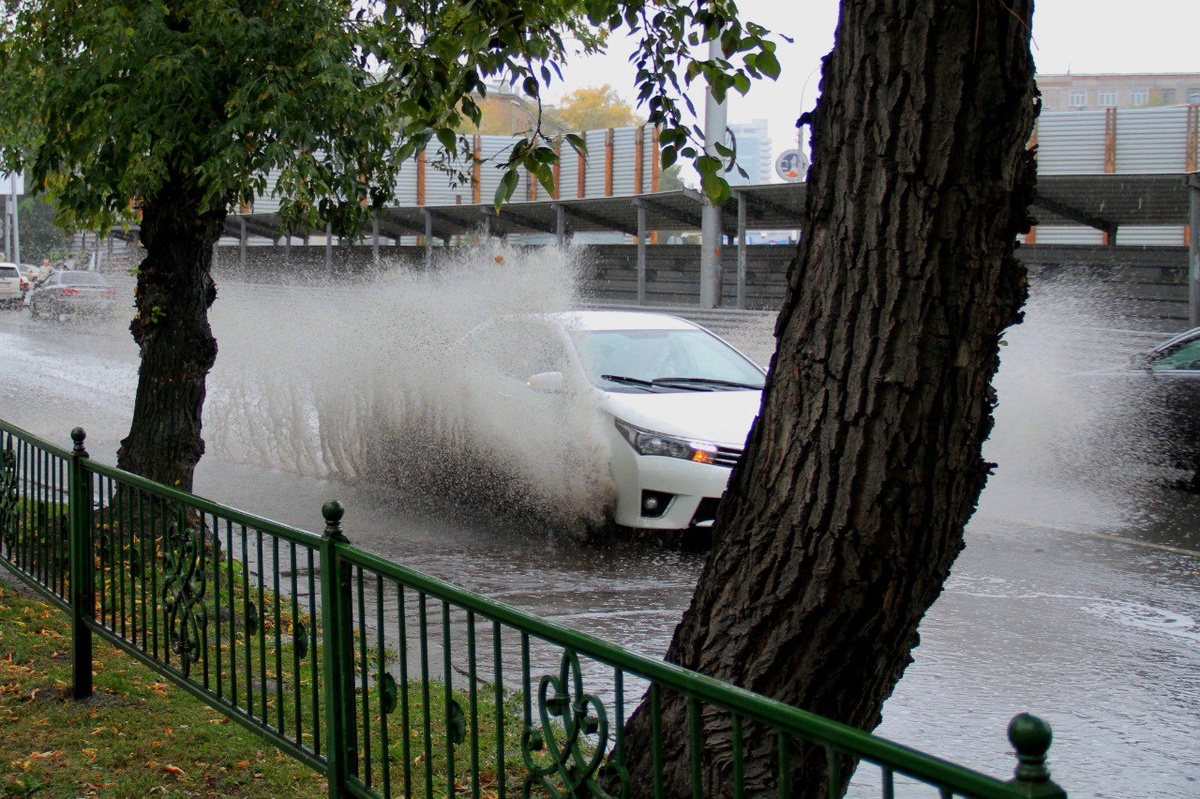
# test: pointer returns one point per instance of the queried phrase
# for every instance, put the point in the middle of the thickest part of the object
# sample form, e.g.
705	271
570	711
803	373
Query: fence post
79	555
1030	736
337	631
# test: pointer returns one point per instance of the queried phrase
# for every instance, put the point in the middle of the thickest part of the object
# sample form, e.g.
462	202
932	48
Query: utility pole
715	123
12	185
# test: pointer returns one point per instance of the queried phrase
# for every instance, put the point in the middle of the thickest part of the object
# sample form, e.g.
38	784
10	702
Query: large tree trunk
174	292
842	523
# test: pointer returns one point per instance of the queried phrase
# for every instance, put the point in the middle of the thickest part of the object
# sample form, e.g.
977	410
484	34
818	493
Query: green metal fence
393	683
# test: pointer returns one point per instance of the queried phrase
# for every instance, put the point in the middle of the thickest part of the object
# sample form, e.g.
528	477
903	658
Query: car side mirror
547	382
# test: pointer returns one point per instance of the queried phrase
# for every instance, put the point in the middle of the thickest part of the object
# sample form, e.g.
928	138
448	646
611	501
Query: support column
741	248
560	223
329	251
1193	184
375	241
16	224
242	244
641	251
425	212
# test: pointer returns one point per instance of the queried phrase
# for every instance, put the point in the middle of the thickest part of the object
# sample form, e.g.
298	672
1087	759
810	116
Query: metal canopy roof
769	207
1108	202
1105	202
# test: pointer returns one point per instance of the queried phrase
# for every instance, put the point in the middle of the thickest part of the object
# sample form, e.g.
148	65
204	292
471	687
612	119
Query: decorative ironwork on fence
390	682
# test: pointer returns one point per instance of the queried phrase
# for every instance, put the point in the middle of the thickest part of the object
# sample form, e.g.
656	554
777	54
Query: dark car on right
1172	369
72	293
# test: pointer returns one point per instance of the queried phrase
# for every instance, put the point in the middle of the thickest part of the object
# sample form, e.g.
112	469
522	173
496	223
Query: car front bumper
682	488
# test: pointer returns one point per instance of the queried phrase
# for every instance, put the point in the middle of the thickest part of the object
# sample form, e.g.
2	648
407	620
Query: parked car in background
72	293
12	285
664	405
1171	396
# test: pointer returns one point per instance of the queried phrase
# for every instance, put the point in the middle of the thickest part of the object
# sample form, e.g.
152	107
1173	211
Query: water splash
369	381
1072	444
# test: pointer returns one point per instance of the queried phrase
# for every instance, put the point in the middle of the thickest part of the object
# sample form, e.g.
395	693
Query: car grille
727	456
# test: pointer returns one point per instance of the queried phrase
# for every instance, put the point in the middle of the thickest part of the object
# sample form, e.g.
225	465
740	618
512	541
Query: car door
522	420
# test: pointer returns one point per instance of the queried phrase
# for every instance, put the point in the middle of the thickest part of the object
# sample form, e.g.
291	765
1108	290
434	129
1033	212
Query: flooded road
1077	597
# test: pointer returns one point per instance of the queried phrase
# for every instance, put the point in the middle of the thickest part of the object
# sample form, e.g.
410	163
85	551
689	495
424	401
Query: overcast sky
1080	36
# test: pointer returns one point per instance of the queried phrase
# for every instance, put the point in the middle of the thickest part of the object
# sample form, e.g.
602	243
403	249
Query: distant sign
791	165
6	184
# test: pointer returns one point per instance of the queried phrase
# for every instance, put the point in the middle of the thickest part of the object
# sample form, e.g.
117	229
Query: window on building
1167	96
1107	98
1194	95
1139	97
1077	98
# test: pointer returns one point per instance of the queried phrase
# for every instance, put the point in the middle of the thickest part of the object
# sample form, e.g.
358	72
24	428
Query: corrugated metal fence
620	162
1128	141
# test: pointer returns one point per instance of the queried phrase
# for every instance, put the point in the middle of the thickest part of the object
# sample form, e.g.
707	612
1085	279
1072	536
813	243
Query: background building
1083	92
753	153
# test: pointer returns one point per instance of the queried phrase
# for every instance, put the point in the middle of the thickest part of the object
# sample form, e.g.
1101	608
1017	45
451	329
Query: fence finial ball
78	435
1030	736
333	511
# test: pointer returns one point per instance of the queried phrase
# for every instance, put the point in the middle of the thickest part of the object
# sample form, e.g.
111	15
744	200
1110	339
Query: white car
664	402
12	284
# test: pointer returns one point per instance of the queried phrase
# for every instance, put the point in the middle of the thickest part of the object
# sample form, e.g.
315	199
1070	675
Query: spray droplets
371	381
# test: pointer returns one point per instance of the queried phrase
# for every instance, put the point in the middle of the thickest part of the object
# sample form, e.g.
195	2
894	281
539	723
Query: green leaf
708	165
545	176
715	187
508	185
768	64
446	138
578	144
669	156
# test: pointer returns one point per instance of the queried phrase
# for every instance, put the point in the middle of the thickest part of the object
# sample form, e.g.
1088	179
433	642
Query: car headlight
648	442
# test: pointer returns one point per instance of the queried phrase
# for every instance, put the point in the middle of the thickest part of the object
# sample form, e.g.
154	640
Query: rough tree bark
174	292
842	523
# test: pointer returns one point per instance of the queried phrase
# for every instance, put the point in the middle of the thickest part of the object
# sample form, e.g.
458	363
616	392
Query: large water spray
376	381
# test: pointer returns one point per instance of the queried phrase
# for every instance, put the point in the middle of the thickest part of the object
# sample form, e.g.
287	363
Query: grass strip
137	736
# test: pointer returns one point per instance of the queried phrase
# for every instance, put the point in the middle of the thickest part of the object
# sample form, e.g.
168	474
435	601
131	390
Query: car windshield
81	279
1185	355
680	360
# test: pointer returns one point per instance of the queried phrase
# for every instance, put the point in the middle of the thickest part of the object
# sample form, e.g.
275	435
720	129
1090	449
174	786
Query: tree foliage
595	107
102	100
40	238
178	110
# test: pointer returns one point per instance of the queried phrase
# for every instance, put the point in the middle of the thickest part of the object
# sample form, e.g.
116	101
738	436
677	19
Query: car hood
721	417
